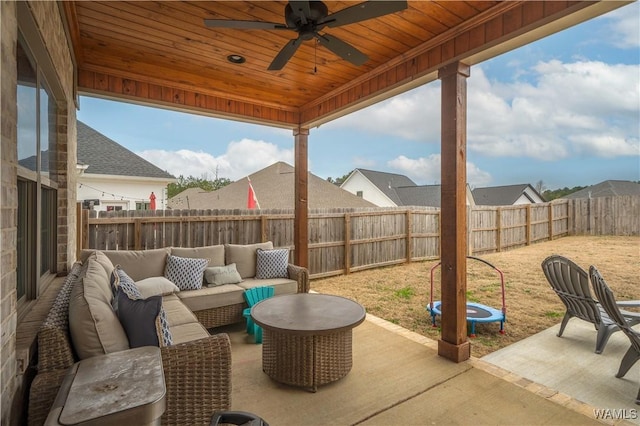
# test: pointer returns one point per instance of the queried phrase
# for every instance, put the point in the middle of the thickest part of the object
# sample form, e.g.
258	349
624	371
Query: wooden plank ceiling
160	52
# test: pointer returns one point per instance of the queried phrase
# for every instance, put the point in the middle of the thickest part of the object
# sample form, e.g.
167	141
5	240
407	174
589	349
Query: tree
183	183
540	187
561	192
338	181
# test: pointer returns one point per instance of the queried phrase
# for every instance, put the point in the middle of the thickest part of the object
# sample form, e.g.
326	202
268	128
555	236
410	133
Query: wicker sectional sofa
197	365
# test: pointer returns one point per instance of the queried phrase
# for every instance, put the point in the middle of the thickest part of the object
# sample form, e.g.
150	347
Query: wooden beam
301	202
454	343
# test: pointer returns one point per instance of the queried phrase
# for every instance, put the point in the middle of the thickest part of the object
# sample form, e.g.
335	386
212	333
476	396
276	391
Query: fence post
347	243
499	229
85	228
409	225
263	228
137	234
79	229
550	222
528	225
469	232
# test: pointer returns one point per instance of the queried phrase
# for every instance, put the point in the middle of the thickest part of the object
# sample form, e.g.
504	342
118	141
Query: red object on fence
252	200
152	201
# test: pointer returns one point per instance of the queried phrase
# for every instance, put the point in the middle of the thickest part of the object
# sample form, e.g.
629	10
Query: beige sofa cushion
188	332
244	256
140	264
94	326
215	254
177	312
212	297
280	285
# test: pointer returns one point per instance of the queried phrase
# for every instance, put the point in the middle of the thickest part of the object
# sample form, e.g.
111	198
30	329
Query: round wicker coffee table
307	337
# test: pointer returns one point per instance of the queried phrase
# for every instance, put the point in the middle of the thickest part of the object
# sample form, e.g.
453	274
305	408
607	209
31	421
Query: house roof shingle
107	157
388	183
608	188
274	189
501	195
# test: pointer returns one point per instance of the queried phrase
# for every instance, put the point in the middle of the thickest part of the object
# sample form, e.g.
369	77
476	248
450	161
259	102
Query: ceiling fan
307	18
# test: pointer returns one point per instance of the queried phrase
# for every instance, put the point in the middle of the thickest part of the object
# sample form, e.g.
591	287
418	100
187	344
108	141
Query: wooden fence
605	216
343	241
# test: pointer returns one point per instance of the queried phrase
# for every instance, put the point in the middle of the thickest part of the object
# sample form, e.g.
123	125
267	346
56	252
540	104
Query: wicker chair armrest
198	379
301	275
54	350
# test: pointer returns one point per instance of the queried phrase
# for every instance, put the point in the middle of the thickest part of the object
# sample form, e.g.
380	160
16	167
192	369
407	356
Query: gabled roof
505	195
387	183
419	195
105	156
274	189
608	188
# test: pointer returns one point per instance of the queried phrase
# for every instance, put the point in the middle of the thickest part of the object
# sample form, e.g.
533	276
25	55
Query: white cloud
427	170
559	115
414	115
624	26
240	159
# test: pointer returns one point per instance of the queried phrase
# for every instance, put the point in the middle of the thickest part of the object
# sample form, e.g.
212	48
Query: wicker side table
307	338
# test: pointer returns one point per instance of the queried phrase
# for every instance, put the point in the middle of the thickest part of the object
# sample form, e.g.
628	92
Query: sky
564	111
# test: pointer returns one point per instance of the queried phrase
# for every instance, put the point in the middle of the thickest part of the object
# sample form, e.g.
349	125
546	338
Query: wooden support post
454	343
301	204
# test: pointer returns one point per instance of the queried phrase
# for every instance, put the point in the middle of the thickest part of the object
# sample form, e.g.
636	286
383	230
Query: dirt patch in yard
400	293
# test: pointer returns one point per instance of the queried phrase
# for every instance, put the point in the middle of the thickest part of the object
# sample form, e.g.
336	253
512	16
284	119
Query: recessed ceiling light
236	59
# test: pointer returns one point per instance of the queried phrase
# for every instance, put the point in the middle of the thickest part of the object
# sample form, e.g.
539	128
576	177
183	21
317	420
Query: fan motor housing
318	10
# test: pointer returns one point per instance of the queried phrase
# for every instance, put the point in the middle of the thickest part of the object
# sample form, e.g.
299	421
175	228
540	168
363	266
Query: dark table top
308	313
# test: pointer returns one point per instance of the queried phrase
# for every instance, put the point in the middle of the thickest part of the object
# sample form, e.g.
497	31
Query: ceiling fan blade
244	25
362	12
301	9
342	49
285	54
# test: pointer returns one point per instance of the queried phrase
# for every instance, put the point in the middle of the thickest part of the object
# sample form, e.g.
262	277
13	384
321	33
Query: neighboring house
508	195
608	188
274	189
392	189
110	177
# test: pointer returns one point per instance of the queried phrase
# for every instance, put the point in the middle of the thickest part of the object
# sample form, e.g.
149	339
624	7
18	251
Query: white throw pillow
156	286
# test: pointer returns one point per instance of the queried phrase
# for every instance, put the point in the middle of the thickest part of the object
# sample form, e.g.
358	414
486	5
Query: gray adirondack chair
608	302
571	284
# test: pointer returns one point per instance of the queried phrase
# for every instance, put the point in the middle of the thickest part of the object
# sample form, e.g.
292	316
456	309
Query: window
143	205
37	237
359	194
114	208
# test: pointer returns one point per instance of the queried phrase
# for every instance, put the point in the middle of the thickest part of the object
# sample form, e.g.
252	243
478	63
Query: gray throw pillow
272	263
220	275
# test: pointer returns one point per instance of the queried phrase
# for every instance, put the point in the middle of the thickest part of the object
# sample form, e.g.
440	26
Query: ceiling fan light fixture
236	59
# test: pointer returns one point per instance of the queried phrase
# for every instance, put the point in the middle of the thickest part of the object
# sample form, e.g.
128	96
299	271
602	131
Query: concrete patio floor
570	365
398	379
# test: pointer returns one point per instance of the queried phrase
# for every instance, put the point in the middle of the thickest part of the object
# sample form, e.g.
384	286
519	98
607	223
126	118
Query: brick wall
48	20
8	209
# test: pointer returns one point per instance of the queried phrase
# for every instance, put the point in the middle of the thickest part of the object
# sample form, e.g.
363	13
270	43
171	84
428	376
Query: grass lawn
400	293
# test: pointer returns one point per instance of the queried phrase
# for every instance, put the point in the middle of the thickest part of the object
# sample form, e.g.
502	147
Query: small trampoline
476	312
